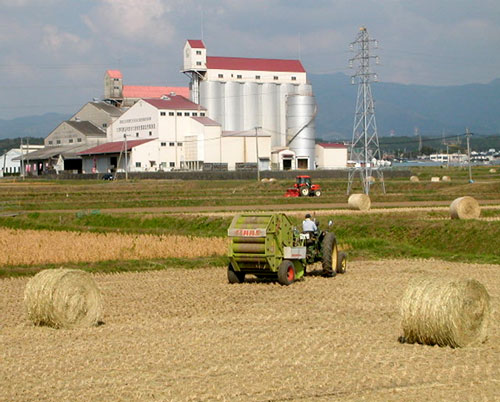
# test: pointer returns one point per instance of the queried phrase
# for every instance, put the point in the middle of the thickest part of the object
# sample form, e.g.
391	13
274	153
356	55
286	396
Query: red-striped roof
241	63
139	91
177	102
114	73
113	147
331	145
196	44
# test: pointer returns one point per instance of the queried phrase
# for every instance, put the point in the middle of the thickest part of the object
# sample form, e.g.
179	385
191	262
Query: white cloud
54	40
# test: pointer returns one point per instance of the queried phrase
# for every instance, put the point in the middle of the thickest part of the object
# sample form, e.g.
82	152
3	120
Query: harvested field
188	335
60	247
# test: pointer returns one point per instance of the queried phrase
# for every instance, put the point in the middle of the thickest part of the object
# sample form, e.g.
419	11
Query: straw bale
360	202
414	178
493	170
371	179
63	298
465	208
272	179
435	179
445	312
264	180
446	178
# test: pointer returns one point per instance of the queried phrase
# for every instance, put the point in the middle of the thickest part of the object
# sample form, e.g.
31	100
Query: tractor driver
309	225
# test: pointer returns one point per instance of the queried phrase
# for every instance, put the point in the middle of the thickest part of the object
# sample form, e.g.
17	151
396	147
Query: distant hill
31	126
401	108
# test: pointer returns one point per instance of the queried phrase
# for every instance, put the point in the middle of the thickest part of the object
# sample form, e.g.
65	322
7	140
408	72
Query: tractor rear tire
342	263
304	191
330	254
286	273
234	276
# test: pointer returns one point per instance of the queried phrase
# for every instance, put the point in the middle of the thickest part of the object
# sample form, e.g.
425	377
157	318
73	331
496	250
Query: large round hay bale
445	312
272	180
371	179
435	179
493	170
63	298
265	180
446	178
360	202
414	179
465	208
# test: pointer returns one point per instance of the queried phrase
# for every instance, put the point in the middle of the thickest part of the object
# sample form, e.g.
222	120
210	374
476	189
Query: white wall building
10	161
331	156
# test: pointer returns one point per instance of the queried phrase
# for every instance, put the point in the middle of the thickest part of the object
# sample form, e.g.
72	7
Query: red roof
241	63
139	91
113	147
196	44
331	145
114	73
177	102
206	121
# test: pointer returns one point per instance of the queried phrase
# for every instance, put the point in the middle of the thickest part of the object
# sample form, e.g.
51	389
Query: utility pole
257	152
468	134
126	158
365	146
22	159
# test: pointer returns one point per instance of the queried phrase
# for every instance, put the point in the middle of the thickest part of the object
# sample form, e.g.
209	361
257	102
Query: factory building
246	94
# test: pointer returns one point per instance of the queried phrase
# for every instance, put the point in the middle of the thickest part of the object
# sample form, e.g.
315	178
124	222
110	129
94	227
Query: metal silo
270	112
233	106
305	89
301	113
211	98
251	105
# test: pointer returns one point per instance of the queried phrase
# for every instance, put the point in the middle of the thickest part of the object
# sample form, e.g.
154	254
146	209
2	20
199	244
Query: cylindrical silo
251	105
305	89
301	113
270	112
285	91
211	97
233	101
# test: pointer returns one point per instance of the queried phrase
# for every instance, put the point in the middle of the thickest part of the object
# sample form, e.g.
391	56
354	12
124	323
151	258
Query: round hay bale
265	180
493	170
63	298
435	179
371	179
445	312
360	202
446	178
414	179
465	208
272	179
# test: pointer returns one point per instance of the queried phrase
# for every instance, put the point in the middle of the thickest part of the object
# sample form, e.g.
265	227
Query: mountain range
400	110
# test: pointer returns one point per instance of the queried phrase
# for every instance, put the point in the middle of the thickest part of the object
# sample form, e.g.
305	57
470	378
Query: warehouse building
244	94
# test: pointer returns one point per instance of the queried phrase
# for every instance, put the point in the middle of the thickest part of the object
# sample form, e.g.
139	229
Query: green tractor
270	247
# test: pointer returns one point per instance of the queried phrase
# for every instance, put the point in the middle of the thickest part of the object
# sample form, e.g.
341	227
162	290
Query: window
294	78
198	52
179	144
137	134
162	114
194	114
202	114
172	164
137	164
50	142
116	79
275	78
198	63
171	113
58	141
221	75
79	140
105	125
179	113
239	76
71	140
150	133
116	87
186	113
171	144
257	77
163	144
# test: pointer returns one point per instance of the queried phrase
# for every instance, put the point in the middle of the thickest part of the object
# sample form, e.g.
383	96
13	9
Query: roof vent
164	97
173	94
77	119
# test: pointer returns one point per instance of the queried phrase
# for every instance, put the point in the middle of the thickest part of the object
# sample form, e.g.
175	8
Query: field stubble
188	335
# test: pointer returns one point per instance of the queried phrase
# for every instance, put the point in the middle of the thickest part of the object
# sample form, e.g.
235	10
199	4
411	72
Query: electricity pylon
365	149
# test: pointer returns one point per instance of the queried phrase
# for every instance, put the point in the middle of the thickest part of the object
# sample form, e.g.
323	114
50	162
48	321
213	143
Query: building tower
365	149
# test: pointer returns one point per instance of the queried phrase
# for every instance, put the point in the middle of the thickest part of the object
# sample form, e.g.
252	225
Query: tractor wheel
286	273
329	251
304	191
317	193
342	263
234	276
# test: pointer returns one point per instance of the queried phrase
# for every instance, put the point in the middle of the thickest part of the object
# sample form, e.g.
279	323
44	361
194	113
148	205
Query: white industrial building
11	161
331	156
244	94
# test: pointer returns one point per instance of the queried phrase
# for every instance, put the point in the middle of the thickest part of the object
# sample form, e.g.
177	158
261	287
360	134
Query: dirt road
188	335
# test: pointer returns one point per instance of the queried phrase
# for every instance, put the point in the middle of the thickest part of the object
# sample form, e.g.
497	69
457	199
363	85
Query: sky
54	53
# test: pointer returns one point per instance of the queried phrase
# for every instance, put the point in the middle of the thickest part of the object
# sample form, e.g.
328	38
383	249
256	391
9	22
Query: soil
189	335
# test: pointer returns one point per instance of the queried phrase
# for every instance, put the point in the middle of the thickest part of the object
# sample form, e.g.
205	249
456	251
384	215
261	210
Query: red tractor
303	188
